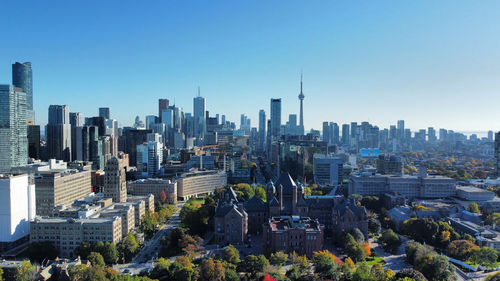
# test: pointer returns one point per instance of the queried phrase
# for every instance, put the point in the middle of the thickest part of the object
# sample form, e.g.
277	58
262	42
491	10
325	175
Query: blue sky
431	63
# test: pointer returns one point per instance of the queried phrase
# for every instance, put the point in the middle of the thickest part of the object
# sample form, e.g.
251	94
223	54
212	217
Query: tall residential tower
13	128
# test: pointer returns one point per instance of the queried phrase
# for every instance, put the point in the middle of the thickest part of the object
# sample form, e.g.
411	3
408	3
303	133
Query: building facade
301	235
115	185
17	209
199	183
154	186
67	234
13	128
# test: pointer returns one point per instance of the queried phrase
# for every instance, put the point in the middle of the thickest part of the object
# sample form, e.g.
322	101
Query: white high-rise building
149	158
17	209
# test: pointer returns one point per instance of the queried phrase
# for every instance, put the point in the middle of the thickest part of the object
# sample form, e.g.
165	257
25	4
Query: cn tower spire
301	98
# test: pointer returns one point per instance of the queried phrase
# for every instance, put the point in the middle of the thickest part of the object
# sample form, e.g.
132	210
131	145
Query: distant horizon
432	64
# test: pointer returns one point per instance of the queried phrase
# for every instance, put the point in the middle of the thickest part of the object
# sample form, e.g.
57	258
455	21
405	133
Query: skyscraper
401	129
326	132
58	132
275	118
334	133
115	185
345	134
262	129
301	98
22	77
497	154
76	122
13	128
162	105
199	108
105	112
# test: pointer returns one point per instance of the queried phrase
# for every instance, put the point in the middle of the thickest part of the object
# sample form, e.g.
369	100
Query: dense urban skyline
377	63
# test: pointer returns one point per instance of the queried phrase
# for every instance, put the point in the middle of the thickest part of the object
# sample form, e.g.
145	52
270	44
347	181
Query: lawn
375	259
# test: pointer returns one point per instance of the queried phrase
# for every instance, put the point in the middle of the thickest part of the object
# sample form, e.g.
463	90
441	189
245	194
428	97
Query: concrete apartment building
149	201
421	186
124	210
154	186
198	183
288	234
68	233
55	184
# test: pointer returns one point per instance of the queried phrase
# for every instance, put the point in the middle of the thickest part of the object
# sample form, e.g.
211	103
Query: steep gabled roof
254	204
301	202
274	202
287	182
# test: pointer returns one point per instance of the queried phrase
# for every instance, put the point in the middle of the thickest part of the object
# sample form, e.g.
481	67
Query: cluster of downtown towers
20	137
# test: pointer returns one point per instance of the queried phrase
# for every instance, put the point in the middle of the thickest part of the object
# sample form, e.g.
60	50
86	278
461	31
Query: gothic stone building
285	197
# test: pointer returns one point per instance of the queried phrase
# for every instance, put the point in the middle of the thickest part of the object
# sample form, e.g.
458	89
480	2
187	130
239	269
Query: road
395	262
144	259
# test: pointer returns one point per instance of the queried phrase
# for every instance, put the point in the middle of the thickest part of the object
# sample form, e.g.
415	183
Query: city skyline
370	63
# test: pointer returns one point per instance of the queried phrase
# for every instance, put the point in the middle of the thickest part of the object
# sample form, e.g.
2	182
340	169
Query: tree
84	249
373	225
493	219
231	275
180	272
363	273
352	248
37	252
160	269
278	258
493	277
26	272
254	264
108	252
231	255
371	202
163	196
461	249
96	259
485	256
390	241
78	272
358	235
410	273
128	247
261	193
365	246
189	244
149	224
294	273
326	265
432	265
473	208
421	230
211	270
245	190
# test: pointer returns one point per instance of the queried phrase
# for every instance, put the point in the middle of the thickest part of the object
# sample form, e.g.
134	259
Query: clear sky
431	63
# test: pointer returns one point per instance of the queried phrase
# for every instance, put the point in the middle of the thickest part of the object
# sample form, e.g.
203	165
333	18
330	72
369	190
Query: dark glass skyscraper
22	77
58	133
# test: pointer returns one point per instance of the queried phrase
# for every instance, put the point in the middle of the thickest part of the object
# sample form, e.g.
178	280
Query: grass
375	260
192	201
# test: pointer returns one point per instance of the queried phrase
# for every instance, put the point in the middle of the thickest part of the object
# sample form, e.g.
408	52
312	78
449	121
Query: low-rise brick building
289	234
